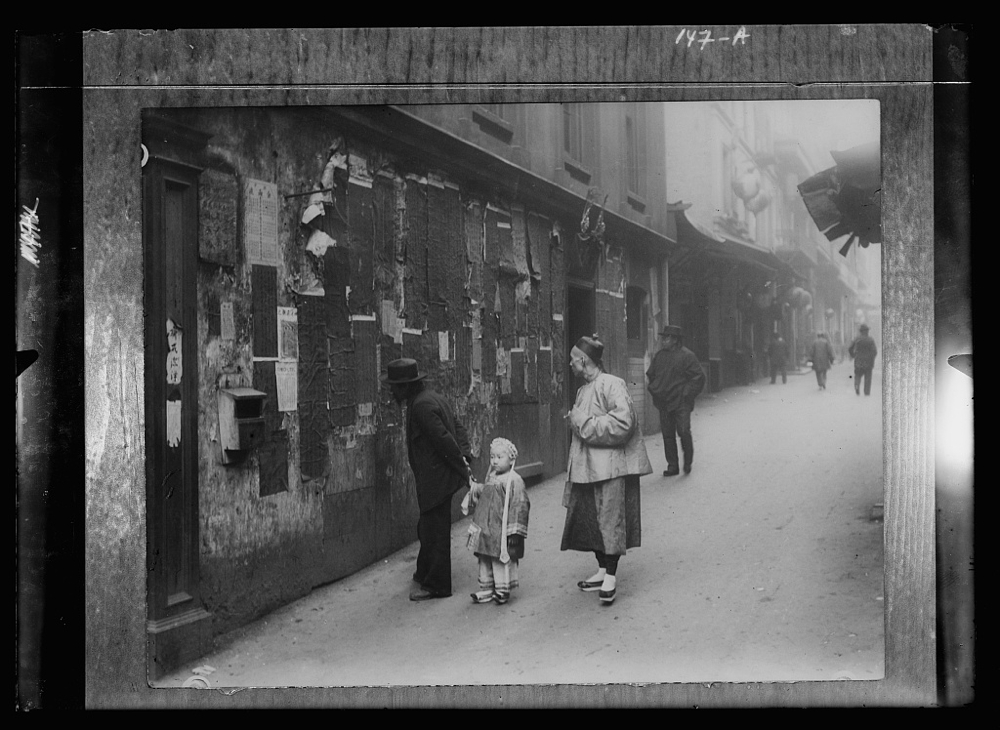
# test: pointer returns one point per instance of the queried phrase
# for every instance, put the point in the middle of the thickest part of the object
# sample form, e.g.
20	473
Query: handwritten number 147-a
705	38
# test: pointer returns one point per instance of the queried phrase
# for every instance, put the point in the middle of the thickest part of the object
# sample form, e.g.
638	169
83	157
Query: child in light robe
499	524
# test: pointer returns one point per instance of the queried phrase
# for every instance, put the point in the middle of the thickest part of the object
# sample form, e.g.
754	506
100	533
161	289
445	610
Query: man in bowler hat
440	455
863	351
675	380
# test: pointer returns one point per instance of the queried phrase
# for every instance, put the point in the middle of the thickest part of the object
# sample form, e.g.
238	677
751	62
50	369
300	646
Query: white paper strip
288	334
286	376
227	325
173	423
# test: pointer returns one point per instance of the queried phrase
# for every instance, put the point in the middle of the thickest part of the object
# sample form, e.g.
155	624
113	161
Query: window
573	131
635	159
577	134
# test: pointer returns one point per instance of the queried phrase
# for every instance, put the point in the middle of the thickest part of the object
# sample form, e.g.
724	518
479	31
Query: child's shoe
482	597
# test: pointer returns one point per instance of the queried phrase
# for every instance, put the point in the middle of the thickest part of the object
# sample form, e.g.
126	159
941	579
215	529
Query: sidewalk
761	565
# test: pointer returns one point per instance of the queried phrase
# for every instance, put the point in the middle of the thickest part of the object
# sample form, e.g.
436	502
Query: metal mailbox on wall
241	422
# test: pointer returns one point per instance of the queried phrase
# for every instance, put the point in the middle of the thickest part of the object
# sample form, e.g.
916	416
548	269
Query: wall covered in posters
322	257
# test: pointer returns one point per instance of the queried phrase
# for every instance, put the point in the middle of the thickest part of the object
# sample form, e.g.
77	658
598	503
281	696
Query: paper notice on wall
444	347
173	423
175	368
228	321
260	222
287	385
288	334
319	242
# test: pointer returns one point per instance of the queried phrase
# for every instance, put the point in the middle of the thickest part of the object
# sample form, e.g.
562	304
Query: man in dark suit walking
675	380
439	455
863	351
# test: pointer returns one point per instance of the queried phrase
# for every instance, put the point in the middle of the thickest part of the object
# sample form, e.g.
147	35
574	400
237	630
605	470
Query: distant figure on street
863	351
499	524
777	354
675	380
821	354
606	459
439	455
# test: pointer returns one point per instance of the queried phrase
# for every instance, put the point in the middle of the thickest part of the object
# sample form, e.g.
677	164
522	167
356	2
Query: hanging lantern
759	201
747	185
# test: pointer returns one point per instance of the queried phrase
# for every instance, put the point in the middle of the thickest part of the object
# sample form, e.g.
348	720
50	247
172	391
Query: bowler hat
671	329
863	328
403	370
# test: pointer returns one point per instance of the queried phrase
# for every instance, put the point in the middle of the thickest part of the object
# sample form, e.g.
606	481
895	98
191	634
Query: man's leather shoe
672	472
423	595
687	468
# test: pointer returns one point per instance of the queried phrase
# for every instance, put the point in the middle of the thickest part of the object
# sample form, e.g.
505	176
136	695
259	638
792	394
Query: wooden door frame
178	626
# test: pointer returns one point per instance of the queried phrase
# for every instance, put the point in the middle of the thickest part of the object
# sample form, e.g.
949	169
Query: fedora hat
403	370
671	329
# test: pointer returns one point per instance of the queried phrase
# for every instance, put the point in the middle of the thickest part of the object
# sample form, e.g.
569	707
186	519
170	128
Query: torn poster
312	210
286	381
288	334
319	242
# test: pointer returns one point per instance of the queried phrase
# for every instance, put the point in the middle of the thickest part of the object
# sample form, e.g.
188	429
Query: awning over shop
695	238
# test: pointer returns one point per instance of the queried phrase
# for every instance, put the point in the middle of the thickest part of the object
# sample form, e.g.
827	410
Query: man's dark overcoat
436	444
675	379
863	350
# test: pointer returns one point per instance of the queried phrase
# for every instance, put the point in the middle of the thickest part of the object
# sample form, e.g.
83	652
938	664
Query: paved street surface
763	564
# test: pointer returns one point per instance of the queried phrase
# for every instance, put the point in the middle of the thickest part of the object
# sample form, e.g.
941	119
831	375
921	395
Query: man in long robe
606	458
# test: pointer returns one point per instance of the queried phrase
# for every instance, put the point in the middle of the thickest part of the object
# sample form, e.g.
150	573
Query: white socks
609	583
601	574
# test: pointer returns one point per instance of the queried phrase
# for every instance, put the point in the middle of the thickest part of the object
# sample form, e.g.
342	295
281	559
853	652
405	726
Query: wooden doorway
178	627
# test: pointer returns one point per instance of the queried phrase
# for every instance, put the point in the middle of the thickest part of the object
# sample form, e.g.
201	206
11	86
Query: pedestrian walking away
499	524
821	355
777	355
675	380
863	351
606	458
440	455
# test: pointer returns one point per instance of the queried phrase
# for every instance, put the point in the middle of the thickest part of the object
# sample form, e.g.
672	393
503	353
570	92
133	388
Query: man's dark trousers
434	559
676	423
866	375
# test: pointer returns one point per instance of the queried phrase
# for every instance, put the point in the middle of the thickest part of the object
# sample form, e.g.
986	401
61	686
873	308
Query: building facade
750	261
290	253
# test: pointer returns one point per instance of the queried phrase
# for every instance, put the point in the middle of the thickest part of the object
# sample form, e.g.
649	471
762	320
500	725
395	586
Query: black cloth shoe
607	596
423	595
672	472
